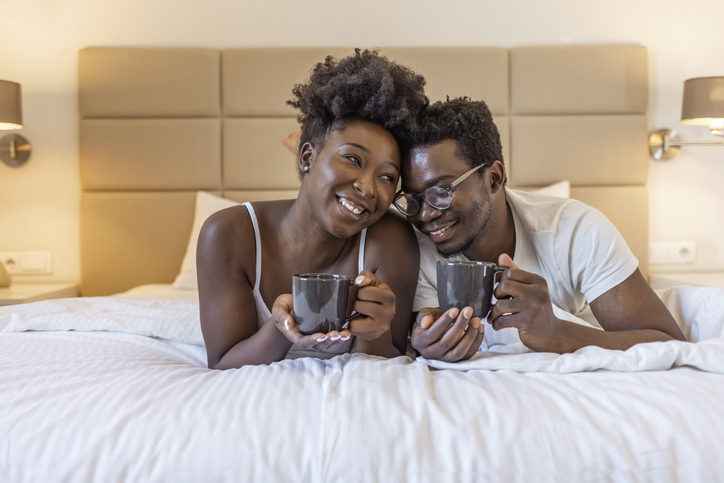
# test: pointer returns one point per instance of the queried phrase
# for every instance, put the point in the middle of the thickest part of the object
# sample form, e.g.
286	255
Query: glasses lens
407	205
438	197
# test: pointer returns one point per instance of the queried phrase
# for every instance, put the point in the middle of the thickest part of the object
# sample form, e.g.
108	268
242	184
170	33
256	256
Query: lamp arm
663	144
682	143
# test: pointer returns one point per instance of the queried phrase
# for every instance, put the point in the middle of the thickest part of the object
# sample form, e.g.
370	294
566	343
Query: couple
365	121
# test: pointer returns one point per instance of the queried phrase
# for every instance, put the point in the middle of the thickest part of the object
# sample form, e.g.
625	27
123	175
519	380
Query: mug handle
354	313
349	319
498	270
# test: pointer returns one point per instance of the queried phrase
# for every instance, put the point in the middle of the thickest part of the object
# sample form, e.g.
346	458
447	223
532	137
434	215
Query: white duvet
116	389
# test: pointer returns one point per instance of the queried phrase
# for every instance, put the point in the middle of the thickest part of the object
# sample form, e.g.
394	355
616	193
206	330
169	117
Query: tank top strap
361	256
257	241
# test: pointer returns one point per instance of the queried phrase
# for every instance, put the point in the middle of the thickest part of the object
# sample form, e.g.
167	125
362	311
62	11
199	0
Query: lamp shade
11	110
703	103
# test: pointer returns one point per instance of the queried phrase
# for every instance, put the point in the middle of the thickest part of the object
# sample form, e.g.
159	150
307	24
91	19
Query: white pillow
561	189
206	205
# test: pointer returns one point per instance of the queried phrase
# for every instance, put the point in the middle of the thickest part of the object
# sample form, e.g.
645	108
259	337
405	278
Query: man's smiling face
464	223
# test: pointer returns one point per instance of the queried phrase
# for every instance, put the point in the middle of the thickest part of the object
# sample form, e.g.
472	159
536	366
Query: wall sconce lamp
14	149
703	105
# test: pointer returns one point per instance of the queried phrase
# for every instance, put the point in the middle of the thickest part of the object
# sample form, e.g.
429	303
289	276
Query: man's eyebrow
358	146
434	181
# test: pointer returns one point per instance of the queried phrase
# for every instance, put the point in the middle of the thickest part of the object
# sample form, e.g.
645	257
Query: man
559	253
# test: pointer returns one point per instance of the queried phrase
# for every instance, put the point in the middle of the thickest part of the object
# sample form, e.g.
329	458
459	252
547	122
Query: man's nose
427	212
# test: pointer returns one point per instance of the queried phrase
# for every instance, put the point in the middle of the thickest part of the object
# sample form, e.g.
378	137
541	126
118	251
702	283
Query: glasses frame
423	196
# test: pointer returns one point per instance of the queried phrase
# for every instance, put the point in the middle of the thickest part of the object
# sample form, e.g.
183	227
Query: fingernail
454	312
467	312
322	339
359	279
287	324
345	338
475	321
335	337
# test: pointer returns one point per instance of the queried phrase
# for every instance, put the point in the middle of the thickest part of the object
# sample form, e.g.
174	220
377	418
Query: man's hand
450	337
524	303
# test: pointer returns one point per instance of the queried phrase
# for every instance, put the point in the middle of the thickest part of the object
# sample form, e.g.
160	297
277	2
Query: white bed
116	389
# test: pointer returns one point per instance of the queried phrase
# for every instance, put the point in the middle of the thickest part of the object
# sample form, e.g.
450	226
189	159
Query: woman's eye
354	159
389	177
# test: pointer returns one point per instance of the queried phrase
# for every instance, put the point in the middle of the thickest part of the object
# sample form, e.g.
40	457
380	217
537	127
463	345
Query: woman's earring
305	169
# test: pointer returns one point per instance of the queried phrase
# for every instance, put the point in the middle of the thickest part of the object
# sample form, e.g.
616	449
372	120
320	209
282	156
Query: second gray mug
466	284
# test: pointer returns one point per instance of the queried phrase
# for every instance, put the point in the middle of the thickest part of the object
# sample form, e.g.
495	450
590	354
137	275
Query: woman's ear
307	153
497	176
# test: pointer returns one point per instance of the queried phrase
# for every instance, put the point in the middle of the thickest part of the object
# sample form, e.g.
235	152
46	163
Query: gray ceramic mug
320	301
466	284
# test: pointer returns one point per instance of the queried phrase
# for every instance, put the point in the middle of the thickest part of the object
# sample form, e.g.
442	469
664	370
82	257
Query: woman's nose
365	186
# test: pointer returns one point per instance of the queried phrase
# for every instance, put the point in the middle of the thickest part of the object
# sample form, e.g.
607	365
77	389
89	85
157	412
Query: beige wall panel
150	154
243	196
259	81
477	72
503	125
254	156
128	239
585	150
148	82
627	208
579	79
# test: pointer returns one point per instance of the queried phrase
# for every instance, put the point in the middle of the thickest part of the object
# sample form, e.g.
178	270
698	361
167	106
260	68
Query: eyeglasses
439	197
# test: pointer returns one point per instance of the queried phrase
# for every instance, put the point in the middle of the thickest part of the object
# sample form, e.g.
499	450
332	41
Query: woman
353	111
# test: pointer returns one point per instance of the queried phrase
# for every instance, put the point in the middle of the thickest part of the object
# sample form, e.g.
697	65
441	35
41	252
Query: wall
40	39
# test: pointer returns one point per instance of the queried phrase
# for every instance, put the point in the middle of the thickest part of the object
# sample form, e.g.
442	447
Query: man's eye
388	177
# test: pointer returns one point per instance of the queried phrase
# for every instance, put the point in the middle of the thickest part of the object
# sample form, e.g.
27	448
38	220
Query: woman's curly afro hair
468	122
364	86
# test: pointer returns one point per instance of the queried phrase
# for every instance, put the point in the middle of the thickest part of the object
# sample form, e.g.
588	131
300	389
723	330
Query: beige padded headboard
159	124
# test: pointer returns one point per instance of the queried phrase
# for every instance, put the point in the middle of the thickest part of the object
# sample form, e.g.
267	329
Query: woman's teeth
354	209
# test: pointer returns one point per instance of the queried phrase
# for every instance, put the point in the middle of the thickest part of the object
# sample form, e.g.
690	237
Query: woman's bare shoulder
232	228
229	222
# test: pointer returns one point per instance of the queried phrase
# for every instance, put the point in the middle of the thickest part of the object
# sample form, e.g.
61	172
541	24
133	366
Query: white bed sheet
114	389
160	291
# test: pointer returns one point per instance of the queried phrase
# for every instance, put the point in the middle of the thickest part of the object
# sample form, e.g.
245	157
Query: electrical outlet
665	253
27	263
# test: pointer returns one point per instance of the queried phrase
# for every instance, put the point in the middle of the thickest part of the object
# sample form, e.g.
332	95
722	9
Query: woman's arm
393	256
224	255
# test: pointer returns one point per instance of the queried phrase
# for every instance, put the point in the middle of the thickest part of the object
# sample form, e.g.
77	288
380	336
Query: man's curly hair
468	122
364	86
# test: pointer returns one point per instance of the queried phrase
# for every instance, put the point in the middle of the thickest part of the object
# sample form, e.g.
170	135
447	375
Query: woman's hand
283	319
375	302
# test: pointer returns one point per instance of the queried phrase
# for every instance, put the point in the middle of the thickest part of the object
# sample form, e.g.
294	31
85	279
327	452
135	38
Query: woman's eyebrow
393	165
370	152
358	146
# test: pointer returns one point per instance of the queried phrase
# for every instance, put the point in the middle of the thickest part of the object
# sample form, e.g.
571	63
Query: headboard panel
159	124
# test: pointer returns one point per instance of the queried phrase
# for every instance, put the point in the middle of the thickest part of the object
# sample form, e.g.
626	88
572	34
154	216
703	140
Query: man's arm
629	313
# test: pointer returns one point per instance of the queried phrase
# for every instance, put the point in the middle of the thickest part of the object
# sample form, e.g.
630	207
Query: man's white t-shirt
573	246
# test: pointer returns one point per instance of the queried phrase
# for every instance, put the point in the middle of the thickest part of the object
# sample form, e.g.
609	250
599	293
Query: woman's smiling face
353	177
